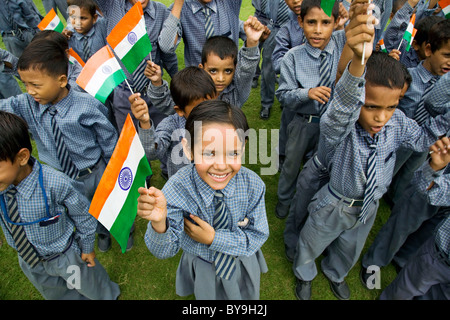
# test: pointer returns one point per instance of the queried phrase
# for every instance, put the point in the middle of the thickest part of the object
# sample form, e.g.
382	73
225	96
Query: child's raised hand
360	30
153	72
254	30
440	154
152	206
202	232
139	109
395	54
321	94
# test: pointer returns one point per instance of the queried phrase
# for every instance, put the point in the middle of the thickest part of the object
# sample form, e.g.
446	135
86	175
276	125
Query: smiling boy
360	131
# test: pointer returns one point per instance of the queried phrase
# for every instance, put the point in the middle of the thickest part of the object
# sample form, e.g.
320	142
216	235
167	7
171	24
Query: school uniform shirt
191	27
438	100
155	13
96	38
82	120
18	15
420	81
345	140
289	36
161	142
62	199
439	193
300	72
187	193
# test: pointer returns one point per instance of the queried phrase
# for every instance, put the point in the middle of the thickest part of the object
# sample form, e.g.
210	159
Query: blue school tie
24	247
421	113
86	49
283	13
371	179
68	167
209	27
325	76
225	264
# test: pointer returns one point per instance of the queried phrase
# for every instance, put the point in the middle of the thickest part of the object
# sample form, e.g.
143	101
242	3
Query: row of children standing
227	70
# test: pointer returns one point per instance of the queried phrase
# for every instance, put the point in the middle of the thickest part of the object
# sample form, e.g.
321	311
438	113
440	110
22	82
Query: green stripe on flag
60	27
137	53
110	83
327	6
122	225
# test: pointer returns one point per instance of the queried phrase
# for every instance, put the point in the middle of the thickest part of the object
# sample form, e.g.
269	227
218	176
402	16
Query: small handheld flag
411	40
129	38
51	22
75	58
101	74
445	5
408	35
114	203
382	46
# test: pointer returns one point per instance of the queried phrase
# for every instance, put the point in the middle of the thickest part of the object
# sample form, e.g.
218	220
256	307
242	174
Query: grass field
143	277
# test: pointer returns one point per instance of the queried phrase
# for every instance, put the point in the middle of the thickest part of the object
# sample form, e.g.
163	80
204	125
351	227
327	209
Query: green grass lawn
143	277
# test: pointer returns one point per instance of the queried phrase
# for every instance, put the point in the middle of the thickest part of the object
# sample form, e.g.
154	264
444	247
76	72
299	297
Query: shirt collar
207	193
63	105
196	6
423	73
80	36
315	52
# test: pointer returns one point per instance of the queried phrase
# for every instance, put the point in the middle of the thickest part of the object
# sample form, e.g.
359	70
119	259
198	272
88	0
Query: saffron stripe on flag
125	25
47	19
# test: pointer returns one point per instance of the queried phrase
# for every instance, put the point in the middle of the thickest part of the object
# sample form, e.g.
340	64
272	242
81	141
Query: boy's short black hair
309	4
216	111
439	34
383	70
423	27
221	46
44	55
89	5
14	136
191	83
52	35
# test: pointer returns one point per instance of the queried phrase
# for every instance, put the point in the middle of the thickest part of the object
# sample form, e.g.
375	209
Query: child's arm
429	178
158	91
253	30
396	28
171	32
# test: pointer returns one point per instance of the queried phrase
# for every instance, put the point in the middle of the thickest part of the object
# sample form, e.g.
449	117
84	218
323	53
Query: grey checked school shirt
191	27
345	144
82	119
187	193
62	198
438	100
299	72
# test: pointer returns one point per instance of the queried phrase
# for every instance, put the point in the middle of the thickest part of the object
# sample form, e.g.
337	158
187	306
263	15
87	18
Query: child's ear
62	79
180	112
95	18
200	66
23	156
336	22
187	149
427	50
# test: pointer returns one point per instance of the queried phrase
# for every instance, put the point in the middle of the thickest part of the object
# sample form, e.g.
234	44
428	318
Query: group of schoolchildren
357	125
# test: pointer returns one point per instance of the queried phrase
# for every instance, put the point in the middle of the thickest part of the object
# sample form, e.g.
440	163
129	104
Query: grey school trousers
51	279
334	226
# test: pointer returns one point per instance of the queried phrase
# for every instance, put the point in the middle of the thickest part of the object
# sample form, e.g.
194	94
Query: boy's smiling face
379	106
318	27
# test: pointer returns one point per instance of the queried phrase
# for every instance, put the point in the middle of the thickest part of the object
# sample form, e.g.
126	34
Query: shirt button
361	84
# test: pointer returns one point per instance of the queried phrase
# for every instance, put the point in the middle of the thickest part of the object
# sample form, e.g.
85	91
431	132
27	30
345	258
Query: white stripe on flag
125	45
53	24
117	197
99	76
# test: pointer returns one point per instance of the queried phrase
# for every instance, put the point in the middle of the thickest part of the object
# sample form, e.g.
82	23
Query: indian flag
129	38
75	58
114	204
101	74
408	35
411	40
382	46
327	6
51	22
445	5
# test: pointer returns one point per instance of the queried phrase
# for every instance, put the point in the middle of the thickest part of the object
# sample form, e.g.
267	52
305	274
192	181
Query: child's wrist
157	83
145	124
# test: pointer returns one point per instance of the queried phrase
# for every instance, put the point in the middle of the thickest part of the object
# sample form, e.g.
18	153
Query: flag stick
364	44
129	86
401	41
